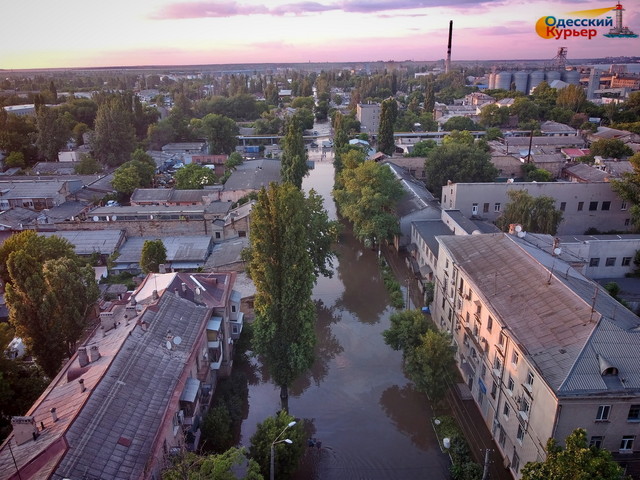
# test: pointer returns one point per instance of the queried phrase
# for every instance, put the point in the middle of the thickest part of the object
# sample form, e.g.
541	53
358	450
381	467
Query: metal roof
253	175
87	242
190	248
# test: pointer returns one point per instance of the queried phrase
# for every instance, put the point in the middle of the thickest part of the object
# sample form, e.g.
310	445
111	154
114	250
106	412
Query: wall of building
578	200
369	117
140	228
605	258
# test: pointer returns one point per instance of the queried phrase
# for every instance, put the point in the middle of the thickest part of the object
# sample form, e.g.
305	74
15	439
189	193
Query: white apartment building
584	205
368	115
543	349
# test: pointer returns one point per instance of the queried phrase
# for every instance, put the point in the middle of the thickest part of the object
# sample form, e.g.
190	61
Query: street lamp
274	443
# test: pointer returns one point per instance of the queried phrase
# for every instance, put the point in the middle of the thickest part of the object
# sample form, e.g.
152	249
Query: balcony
236	326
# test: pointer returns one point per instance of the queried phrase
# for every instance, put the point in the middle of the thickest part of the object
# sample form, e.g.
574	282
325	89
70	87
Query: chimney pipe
83	357
154	295
94	353
82	387
54	416
447	64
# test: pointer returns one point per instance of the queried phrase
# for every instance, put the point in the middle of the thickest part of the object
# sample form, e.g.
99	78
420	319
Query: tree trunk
284	398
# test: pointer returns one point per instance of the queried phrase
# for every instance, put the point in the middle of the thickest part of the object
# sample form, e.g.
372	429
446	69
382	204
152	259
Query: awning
214	324
190	391
425	270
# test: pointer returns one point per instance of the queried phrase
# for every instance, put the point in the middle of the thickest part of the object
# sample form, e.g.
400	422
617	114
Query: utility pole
485	472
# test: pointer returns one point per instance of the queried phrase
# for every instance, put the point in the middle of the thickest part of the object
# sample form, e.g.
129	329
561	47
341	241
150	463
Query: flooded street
356	399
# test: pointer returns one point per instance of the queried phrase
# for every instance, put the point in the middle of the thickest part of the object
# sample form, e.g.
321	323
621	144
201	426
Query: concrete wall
369	117
134	228
577	198
615	251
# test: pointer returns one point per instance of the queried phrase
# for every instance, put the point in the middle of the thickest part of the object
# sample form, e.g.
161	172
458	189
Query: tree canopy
194	177
220	131
388	114
628	187
575	461
406	328
294	156
535	214
459	123
113	139
223	466
153	254
610	148
459	163
136	173
48	295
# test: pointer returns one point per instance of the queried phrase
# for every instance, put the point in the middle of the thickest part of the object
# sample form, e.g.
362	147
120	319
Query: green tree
366	196
458	163
217	430
460	137
388	114
405	331
431	363
153	254
294	156
48	301
610	148
282	269
194	177
628	187
224	466
493	133
525	109
54	131
493	116
459	123
287	456
134	174
535	214
535	174
113	139
15	160
221	133
577	460
160	134
572	97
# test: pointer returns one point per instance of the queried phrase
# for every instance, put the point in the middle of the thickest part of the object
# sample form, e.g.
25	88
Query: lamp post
273	444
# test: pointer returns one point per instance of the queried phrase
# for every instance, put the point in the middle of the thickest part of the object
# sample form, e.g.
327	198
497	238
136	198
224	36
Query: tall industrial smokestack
447	64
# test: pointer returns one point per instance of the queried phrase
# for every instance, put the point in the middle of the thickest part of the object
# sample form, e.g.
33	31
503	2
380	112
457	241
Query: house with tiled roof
137	389
542	349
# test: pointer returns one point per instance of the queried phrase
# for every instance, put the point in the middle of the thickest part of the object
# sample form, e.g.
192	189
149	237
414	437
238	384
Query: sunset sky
75	33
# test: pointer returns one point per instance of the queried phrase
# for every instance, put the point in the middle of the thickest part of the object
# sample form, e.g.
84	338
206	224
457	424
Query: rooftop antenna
447	64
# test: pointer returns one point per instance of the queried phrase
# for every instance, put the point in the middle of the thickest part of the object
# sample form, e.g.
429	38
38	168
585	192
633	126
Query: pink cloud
206	10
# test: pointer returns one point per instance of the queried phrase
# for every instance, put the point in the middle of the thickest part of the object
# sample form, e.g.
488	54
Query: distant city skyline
71	33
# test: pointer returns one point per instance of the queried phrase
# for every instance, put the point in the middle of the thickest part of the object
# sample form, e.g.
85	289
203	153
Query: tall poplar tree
282	261
113	139
294	156
388	113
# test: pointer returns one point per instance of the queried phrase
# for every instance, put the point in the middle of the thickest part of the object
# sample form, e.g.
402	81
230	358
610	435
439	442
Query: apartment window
515	464
497	364
634	413
484	370
217	235
563	206
593	206
623	206
606	205
580	206
510	384
502	437
480	397
627	442
446	263
525	406
468	318
626	261
520	434
494	390
627	222
610	262
596	441
506	409
474	209
485	208
496	207
530	378
478	310
502	340
489	323
514	358
594	262
603	413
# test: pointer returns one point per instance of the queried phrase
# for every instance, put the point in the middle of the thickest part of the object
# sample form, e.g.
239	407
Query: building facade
369	117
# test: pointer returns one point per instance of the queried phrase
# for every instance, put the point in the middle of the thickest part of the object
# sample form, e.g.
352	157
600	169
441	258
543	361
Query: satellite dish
521	234
557	251
518	228
169	344
95	218
114	218
177	340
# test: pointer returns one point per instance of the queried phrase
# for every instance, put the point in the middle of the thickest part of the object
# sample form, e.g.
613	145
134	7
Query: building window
596	441
593	206
502	340
515	464
494	390
496	207
580	206
610	261
525	406
233	308
497	364
489	323
603	413
627	442
514	358
510	384
623	206
594	262
484	370
485	208
520	434
627	222
563	206
506	410
502	437
530	378
480	397
626	261
218	235
474	209
634	413
606	205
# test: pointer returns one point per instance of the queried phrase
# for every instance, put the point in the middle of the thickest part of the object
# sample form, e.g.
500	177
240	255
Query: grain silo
552	75
572	77
492	80
535	79
521	79
503	80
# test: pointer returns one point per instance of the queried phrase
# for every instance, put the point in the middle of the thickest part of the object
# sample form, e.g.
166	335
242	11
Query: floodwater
355	399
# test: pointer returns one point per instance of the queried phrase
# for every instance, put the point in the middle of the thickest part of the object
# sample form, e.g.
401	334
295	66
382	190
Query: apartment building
368	115
584	205
136	391
543	349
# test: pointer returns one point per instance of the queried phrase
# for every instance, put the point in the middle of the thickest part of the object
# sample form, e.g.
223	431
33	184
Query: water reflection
403	405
